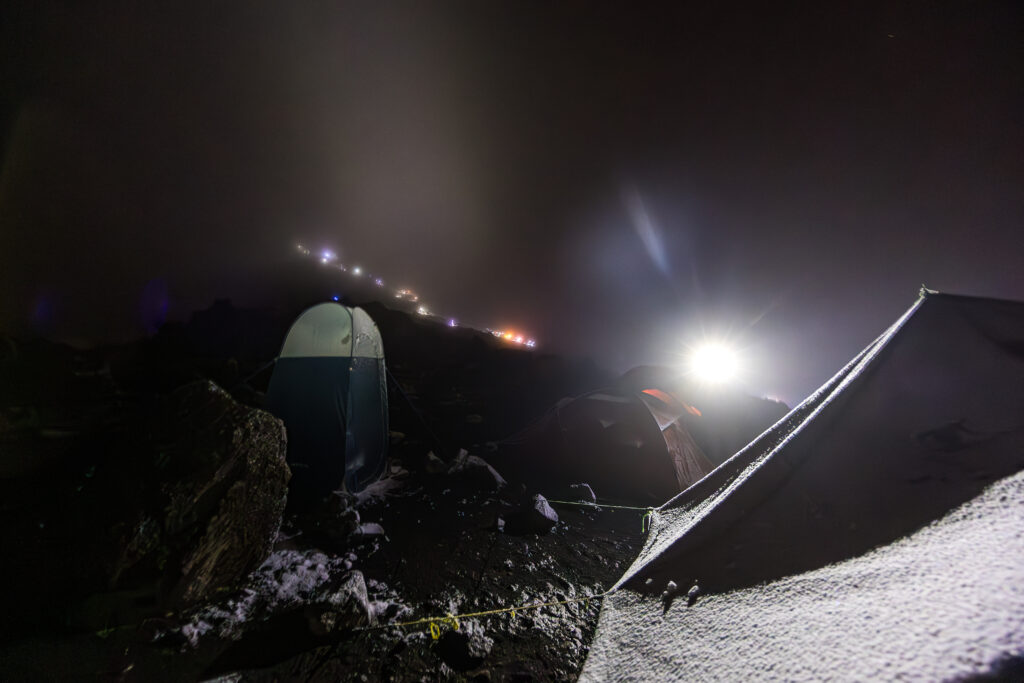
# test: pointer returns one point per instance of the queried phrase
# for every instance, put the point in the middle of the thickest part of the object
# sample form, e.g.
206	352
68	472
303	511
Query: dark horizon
617	181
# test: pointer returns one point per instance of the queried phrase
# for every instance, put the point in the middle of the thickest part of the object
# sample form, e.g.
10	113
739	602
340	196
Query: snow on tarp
945	603
920	422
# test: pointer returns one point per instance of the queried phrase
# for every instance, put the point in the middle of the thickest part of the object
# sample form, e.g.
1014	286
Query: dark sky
616	179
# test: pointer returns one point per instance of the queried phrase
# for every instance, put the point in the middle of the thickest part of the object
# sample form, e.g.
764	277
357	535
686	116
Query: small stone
476	471
339	501
371	529
341	525
435	465
582	492
536	518
347	607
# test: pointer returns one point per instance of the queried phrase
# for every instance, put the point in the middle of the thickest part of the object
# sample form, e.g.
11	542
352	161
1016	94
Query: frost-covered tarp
912	450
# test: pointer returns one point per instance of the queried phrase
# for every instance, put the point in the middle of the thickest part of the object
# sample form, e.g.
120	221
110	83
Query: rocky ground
427	545
146	536
322	605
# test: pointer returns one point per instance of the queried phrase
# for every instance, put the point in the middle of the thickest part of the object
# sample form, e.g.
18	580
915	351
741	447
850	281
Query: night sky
617	180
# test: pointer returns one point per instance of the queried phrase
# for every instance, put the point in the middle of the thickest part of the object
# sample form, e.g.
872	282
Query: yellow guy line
453	619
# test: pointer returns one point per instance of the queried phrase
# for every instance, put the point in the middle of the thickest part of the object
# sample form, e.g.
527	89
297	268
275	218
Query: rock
346	607
476	472
310	586
435	465
371	529
344	525
535	518
582	492
379	490
341	519
465	648
340	501
215	503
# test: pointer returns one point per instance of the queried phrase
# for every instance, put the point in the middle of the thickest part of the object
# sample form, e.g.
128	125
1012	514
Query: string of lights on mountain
329	259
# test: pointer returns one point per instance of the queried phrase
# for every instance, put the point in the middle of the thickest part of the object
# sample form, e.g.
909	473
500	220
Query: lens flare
714	363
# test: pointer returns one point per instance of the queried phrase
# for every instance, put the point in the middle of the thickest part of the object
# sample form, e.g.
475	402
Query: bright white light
323	259
422	310
327	256
714	363
451	322
531	343
379	282
357	271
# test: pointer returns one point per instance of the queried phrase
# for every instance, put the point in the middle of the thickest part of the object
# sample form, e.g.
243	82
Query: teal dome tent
329	388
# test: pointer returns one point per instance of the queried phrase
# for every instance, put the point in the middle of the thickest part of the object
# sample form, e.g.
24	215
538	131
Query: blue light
335	297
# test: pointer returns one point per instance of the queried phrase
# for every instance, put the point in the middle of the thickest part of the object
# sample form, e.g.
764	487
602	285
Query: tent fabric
632	445
919	423
942	604
629	447
689	462
324	330
329	388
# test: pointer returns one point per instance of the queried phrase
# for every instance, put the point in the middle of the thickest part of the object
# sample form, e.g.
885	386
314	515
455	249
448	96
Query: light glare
714	363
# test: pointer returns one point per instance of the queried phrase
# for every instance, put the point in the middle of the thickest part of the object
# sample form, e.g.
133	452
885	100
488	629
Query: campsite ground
83	433
442	553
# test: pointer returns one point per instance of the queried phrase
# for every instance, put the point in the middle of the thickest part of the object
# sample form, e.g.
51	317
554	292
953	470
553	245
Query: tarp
330	390
777	539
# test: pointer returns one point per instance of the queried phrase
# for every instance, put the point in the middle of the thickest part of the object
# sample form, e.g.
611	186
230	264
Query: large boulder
215	499
150	503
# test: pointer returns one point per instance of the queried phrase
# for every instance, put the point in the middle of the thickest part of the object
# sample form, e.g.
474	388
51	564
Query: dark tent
628	446
330	390
874	532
